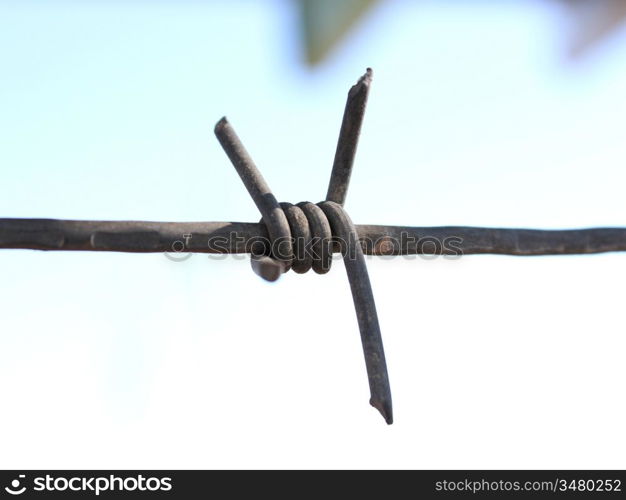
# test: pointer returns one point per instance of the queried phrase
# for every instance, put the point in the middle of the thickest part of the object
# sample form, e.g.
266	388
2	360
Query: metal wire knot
310	234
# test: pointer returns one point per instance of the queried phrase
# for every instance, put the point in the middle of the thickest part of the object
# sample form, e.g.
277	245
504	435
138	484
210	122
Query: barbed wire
305	235
239	238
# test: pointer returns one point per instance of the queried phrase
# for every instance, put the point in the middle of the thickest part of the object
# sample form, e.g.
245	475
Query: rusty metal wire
239	237
304	236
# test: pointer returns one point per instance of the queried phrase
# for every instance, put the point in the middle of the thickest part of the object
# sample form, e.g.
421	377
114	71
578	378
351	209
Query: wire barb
320	223
349	139
273	215
365	308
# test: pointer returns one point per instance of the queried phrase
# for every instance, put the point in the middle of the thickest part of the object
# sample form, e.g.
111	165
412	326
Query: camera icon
15	489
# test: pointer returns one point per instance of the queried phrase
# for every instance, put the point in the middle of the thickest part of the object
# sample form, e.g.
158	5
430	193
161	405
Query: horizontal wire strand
238	237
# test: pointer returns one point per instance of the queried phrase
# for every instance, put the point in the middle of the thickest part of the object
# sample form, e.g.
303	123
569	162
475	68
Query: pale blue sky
476	117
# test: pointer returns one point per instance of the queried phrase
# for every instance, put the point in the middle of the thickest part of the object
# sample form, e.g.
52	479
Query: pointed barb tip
385	409
220	124
366	79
